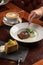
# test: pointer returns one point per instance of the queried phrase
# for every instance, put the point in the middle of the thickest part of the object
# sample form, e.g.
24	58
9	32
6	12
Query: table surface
35	50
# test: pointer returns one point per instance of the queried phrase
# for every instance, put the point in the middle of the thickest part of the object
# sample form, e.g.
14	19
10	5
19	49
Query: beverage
12	18
12	15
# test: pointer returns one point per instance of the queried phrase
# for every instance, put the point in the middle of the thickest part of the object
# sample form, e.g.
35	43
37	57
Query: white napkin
2	48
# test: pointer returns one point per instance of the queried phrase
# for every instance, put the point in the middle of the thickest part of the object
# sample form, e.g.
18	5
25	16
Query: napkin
40	62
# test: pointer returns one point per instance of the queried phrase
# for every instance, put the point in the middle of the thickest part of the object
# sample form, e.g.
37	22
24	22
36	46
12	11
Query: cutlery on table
19	60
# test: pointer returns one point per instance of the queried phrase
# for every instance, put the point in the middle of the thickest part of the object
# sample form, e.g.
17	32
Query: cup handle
19	20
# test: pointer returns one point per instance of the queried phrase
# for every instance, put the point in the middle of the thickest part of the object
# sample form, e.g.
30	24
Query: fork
19	60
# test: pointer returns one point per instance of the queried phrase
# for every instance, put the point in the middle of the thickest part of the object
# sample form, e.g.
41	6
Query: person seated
35	14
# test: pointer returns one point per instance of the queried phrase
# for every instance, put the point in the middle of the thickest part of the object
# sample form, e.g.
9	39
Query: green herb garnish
30	31
10	42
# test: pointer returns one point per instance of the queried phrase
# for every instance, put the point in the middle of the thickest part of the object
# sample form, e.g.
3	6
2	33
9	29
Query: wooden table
35	52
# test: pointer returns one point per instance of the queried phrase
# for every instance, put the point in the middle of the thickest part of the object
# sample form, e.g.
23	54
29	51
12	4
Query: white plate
4	2
16	29
8	22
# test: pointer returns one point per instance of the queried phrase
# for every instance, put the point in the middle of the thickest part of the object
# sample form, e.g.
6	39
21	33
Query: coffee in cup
12	15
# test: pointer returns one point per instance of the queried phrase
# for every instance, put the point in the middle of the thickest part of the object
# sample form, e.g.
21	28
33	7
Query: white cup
12	17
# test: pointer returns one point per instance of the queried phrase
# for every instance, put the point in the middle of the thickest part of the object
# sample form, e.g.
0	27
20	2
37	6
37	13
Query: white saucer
11	23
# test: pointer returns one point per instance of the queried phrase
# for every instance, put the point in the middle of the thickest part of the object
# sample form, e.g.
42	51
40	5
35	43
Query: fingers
31	16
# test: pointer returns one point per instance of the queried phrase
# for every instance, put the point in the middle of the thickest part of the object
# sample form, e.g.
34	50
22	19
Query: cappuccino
12	15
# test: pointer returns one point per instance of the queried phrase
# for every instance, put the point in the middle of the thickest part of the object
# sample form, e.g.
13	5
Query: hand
35	14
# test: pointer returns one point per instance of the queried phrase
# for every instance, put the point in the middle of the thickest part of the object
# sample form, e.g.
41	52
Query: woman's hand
35	14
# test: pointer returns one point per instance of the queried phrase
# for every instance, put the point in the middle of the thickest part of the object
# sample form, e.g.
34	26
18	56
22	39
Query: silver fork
19	60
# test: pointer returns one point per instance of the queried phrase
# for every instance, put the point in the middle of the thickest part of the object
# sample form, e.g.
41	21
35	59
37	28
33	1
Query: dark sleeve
37	3
41	18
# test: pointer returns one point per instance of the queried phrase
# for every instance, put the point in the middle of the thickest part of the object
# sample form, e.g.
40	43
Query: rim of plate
25	41
4	3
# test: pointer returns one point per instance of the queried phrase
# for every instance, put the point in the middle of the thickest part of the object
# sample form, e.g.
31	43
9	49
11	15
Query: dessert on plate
11	46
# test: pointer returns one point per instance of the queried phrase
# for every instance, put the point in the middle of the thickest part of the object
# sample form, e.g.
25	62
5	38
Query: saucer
11	22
